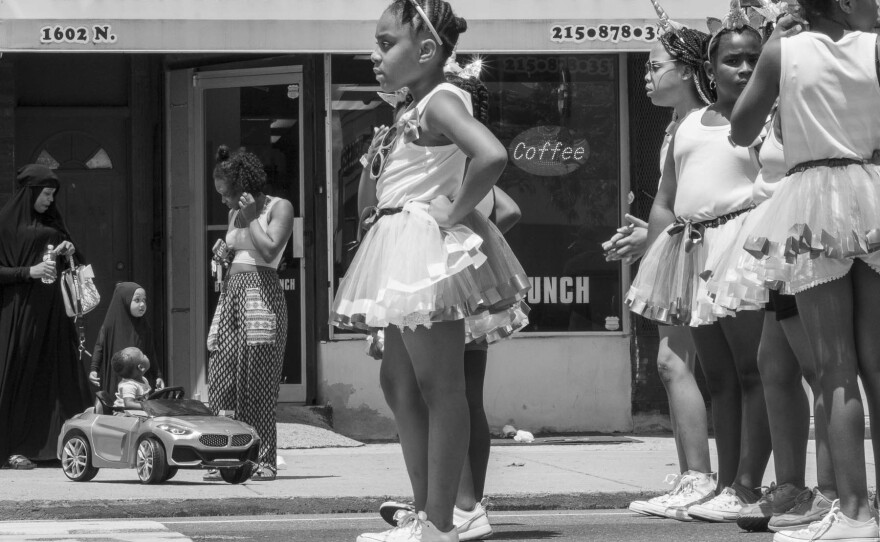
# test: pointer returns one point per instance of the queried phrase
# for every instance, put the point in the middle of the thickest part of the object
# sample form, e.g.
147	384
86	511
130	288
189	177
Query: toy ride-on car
170	433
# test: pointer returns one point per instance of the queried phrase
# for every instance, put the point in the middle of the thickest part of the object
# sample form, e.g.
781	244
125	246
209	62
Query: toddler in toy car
131	365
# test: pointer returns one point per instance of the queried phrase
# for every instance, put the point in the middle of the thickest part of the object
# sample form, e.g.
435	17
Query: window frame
624	174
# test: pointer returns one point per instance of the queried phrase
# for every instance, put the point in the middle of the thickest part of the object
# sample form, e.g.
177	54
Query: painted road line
88	531
335	519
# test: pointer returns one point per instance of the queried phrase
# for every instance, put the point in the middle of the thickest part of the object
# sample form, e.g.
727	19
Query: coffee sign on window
548	151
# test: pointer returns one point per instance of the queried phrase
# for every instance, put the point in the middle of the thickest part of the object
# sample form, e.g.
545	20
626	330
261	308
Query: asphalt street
605	526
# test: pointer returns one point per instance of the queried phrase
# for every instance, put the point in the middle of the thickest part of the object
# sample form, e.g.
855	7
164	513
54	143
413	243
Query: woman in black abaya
41	383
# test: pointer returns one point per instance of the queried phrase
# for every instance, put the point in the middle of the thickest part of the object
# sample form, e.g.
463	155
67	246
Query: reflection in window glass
558	117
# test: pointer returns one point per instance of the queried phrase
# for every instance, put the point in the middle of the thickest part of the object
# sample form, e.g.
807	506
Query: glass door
260	110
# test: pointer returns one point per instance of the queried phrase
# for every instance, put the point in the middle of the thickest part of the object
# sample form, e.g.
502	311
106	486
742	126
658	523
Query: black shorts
783	305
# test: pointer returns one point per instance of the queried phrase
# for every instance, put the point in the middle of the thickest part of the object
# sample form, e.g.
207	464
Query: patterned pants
249	332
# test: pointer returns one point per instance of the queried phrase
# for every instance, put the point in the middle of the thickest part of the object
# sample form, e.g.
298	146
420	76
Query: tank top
829	97
664	147
419	173
239	239
714	177
773	168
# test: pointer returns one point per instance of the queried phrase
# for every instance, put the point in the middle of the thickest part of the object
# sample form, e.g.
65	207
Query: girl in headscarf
124	326
40	381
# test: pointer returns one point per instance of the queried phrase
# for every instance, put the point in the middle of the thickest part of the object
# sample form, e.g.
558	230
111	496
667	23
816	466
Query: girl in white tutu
784	361
705	192
427	264
674	78
819	235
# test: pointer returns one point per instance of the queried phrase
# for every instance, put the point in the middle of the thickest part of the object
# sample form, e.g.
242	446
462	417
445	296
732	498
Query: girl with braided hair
249	329
674	77
705	191
818	237
469	515
421	272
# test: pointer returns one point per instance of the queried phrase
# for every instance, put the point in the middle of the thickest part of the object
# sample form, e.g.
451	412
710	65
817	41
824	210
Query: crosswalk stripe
90	531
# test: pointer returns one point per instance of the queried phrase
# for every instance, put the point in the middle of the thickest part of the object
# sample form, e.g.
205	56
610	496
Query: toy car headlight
174	429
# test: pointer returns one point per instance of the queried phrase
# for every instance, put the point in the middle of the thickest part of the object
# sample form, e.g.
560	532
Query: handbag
78	288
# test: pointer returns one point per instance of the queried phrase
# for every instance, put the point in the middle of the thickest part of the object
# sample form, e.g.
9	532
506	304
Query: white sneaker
834	526
694	488
393	511
724	508
657	506
473	525
411	528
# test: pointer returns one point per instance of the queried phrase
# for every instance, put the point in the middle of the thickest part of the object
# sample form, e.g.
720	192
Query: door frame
236	78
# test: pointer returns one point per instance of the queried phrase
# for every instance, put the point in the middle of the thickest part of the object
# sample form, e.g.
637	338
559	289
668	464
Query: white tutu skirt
668	286
409	272
729	271
815	224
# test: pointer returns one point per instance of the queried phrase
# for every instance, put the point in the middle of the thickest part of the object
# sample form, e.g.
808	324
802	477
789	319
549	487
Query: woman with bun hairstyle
249	329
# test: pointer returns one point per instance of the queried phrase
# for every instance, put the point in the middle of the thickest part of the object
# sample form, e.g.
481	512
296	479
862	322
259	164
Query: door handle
298	244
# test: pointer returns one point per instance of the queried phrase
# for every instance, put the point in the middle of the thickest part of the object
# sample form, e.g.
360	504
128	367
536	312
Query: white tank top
417	173
829	97
773	168
714	177
664	147
239	239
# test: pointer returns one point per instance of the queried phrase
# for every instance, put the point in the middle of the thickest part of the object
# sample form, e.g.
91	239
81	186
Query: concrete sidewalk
570	476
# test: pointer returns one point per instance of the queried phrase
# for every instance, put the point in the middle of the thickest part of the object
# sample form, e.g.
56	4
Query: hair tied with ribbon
472	70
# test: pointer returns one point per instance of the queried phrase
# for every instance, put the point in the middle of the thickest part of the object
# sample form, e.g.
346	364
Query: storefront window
558	116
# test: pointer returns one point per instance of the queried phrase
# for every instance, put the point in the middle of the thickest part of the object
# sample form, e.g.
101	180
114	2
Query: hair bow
395	98
470	71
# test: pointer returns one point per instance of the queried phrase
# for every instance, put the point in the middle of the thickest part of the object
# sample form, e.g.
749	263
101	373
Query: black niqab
41	380
121	330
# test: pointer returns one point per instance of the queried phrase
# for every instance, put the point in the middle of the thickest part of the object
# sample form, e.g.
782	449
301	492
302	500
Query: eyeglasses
377	165
425	18
653	65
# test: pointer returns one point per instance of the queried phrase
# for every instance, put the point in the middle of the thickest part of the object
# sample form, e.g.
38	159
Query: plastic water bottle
48	256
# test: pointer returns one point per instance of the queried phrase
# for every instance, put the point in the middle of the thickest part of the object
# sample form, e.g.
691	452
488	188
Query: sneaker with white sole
775	500
836	527
724	508
810	506
412	527
693	489
474	524
393	511
657	505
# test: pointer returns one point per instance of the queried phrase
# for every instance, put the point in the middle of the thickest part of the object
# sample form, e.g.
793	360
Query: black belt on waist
693	231
711	223
826	162
369	217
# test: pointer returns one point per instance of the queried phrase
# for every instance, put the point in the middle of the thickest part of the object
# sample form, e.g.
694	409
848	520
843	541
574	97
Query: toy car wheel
151	465
76	459
170	473
238	474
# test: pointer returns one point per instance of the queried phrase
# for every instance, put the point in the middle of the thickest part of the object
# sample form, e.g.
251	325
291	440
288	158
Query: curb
256	506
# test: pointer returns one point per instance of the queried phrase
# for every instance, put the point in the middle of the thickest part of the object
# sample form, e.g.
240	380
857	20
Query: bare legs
422	377
866	313
828	311
676	358
473	474
728	352
788	408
